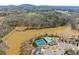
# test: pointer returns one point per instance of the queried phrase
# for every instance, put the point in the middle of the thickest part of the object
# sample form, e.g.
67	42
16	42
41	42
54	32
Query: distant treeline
31	19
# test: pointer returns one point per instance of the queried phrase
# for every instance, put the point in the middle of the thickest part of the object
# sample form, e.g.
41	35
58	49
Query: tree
2	52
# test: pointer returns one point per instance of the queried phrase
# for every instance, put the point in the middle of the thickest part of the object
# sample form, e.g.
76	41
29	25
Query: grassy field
15	38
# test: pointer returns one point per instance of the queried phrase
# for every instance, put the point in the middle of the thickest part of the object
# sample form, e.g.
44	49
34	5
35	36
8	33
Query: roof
40	42
70	52
37	51
48	39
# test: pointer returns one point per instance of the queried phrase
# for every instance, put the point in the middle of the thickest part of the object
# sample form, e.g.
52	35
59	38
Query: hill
41	7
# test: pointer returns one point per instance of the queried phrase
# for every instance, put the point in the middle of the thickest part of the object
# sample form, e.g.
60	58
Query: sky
41	2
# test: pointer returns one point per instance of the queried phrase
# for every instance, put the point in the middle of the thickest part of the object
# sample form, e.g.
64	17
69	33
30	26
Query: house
44	41
48	40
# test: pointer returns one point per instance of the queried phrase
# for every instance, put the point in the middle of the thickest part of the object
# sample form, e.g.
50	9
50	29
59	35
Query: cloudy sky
41	2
